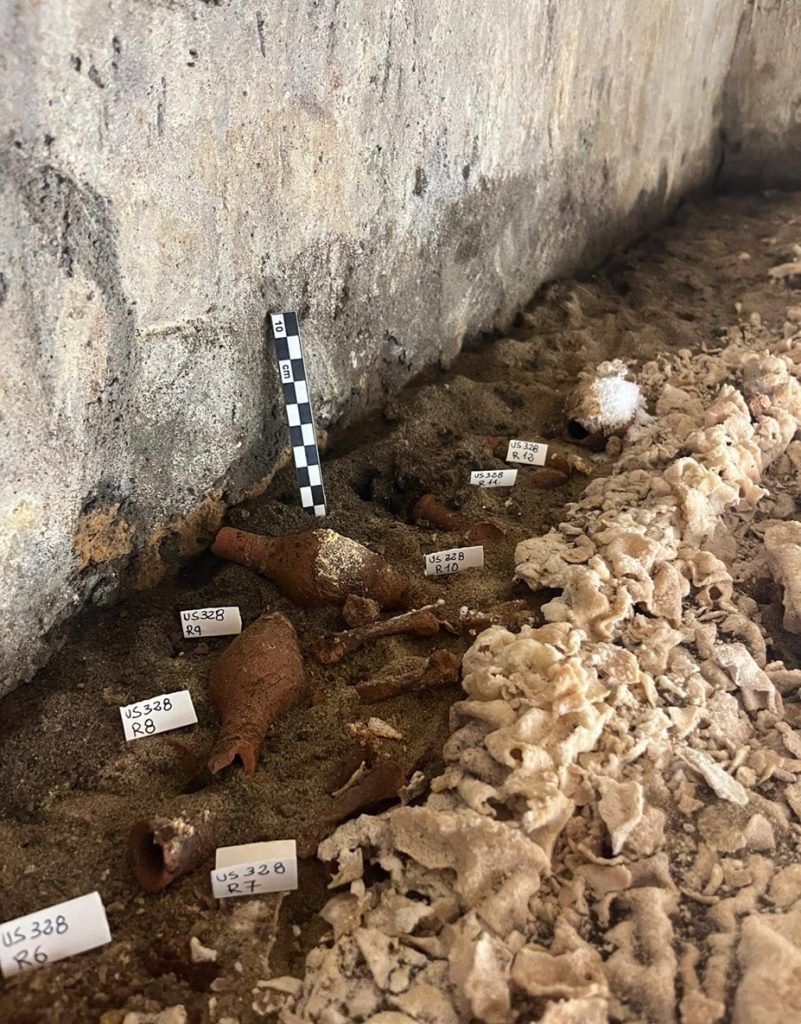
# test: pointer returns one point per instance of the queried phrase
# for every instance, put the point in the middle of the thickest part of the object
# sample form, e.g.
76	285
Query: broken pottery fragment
162	849
429	509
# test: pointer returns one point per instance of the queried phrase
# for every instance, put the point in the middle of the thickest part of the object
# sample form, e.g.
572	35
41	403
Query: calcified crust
602	403
163	849
319	567
257	678
598	846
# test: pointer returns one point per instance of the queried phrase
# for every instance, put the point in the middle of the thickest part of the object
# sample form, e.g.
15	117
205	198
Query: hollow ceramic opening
577	431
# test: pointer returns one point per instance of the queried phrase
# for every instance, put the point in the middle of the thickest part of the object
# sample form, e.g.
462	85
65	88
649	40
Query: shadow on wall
761	126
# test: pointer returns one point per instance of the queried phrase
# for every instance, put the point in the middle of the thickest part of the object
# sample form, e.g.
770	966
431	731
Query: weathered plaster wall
762	108
402	174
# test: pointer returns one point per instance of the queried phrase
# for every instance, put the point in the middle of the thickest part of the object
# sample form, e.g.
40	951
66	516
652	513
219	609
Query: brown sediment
510	614
429	509
332	648
318	567
162	849
358	611
190	764
257	678
441	669
196	775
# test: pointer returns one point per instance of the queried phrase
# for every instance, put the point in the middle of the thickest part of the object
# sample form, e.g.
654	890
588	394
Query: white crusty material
603	775
783	547
605	401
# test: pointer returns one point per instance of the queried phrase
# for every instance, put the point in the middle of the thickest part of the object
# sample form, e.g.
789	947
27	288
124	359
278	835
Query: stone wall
762	108
402	175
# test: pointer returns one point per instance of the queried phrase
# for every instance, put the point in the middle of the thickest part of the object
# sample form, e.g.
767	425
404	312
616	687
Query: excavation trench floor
72	786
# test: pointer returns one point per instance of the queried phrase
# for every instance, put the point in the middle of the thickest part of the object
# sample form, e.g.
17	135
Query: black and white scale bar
302	432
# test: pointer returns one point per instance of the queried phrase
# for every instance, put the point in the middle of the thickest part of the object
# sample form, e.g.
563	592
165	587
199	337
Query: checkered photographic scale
302	432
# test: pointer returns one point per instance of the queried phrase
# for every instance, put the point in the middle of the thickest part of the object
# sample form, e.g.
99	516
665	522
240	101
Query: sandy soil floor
72	786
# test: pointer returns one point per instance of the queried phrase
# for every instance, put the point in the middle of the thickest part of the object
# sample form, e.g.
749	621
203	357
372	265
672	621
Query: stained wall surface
762	98
402	175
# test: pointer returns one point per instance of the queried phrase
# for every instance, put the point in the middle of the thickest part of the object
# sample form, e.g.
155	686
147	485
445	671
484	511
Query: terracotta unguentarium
257	678
318	567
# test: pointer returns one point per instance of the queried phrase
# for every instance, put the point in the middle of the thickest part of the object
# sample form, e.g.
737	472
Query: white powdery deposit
605	401
617	780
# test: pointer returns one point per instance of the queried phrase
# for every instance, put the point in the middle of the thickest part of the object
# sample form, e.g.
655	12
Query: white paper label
211	622
493	477
531	452
63	930
445	563
158	714
255	868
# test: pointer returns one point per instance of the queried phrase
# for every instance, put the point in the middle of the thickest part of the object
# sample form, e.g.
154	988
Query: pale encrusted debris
783	547
576	795
200	953
605	400
379	727
172	1015
720	781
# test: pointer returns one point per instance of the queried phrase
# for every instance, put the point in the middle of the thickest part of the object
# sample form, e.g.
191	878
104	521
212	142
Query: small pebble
200	953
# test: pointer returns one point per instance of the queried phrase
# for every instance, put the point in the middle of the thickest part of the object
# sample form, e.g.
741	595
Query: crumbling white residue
338	558
605	401
599	845
783	547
